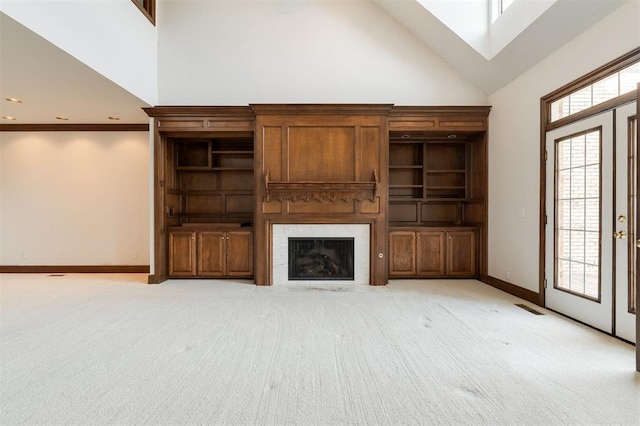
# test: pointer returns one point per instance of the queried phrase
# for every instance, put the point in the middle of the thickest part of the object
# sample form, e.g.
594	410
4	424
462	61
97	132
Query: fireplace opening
321	258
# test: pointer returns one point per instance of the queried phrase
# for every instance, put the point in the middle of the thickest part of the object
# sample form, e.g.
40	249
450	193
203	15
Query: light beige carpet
108	349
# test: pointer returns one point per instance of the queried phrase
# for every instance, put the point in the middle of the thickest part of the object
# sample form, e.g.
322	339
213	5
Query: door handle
620	235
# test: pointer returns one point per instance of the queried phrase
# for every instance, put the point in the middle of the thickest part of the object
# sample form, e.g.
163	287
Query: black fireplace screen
321	259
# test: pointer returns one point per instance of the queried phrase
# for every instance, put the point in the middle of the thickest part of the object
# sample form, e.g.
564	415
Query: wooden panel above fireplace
330	167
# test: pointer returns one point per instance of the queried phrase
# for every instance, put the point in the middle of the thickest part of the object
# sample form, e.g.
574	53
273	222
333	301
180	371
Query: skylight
482	24
504	4
498	7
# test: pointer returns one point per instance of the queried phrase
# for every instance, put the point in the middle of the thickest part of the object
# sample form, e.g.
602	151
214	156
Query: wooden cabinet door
461	253
430	260
402	253
182	254
211	253
240	254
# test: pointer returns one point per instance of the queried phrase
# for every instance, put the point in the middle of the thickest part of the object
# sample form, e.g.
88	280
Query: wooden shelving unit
437	192
213	180
209	207
429	180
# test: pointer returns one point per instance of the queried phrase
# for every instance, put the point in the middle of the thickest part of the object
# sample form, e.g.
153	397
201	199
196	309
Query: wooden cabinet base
433	253
210	253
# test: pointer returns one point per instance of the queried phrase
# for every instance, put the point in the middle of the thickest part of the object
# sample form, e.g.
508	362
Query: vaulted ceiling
56	84
551	26
51	83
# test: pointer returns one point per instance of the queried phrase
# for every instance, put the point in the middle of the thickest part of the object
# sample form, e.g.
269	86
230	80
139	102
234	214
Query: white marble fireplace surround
281	233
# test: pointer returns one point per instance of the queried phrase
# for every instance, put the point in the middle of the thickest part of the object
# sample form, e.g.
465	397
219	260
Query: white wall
74	198
111	36
234	52
514	142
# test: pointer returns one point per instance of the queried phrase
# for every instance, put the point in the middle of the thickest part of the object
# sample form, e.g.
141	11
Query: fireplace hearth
321	259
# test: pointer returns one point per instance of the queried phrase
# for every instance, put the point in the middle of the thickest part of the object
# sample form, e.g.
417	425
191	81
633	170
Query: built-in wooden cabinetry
437	191
432	253
223	176
203	192
210	252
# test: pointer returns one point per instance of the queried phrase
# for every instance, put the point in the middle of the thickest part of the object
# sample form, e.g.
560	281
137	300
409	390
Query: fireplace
320	258
320	253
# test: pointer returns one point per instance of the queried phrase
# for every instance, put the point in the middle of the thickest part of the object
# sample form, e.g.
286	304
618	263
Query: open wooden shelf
430	180
212	180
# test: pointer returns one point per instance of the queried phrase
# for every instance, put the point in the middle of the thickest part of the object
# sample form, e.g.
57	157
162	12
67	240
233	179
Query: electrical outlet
507	275
134	255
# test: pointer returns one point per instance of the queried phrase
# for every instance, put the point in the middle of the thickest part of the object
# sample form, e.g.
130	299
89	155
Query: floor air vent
56	275
527	308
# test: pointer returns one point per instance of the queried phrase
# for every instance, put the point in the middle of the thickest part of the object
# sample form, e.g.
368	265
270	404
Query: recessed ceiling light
14	100
113	117
61	118
8	117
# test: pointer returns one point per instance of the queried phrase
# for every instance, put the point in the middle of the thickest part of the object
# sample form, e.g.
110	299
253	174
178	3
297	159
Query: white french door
625	227
590	233
579	243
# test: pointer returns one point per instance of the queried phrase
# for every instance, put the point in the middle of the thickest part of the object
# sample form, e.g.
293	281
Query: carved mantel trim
321	191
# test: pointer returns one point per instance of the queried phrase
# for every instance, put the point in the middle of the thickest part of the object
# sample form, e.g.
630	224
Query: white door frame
625	322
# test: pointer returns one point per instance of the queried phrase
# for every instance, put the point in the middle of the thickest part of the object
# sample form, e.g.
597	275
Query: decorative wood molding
74	127
207	121
514	290
321	191
321	109
423	121
199	111
440	111
74	269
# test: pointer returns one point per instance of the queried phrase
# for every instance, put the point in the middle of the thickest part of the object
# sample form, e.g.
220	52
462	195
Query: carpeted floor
108	349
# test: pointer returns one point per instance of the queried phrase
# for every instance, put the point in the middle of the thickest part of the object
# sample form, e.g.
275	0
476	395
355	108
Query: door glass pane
577	210
632	228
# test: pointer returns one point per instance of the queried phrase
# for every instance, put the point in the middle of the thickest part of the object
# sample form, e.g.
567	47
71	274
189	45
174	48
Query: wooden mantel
321	191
